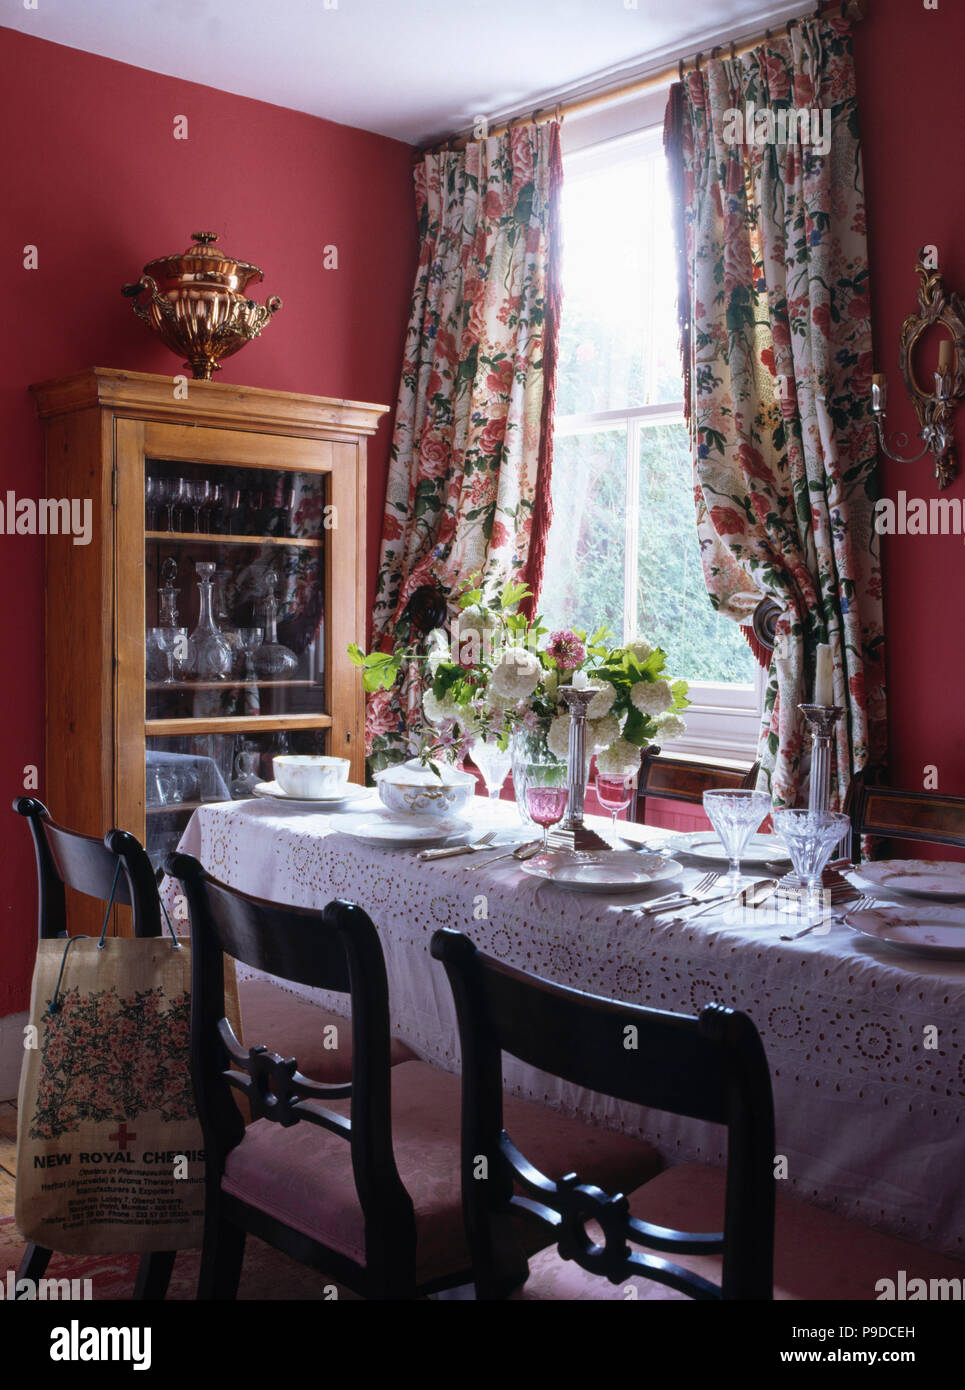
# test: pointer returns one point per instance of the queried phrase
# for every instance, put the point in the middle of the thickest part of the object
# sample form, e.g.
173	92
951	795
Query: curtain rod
853	9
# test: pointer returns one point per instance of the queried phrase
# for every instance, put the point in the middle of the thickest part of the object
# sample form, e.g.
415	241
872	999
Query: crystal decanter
209	653
272	660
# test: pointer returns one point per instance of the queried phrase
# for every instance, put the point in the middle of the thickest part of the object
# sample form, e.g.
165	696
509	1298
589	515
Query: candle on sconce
945	350
823	677
879	391
580	680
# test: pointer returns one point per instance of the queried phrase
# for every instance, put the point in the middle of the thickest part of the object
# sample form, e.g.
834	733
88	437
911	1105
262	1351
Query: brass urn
198	305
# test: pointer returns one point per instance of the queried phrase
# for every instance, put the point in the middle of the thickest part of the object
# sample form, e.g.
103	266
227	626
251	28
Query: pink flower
433	458
566	649
491	438
499	537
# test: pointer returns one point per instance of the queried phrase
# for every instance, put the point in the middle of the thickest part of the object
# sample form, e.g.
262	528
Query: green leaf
513	593
637	727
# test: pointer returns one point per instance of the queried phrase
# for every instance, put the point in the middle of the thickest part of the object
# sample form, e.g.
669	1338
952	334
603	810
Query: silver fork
447	851
670	902
521	852
860	905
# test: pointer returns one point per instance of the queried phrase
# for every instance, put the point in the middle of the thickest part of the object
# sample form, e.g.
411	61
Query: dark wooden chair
66	859
733	1237
681	777
710	1068
358	1180
886	813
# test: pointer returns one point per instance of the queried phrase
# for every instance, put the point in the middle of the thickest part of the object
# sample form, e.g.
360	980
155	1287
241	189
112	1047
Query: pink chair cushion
295	1027
303	1175
817	1254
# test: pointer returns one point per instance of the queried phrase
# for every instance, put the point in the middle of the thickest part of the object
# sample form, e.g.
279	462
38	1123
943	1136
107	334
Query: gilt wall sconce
935	408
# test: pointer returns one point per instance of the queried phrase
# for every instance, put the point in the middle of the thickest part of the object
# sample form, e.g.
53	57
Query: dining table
865	1043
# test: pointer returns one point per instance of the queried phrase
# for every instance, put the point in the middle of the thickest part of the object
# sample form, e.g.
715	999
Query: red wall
913	125
94	178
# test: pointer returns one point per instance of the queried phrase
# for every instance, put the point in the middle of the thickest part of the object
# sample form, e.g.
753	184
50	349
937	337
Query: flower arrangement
500	673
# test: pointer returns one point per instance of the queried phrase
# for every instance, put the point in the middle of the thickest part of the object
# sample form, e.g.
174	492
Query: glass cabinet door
234	643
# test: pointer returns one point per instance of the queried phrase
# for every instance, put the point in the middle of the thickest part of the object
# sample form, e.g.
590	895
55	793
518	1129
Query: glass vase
528	747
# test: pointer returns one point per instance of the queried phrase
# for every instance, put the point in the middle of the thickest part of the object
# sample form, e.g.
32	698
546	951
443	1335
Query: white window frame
723	720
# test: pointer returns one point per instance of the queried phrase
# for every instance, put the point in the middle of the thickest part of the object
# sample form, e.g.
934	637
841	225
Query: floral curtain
468	484
776	332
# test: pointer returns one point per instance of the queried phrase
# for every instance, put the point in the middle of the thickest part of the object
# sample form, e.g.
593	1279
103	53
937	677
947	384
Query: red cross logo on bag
122	1136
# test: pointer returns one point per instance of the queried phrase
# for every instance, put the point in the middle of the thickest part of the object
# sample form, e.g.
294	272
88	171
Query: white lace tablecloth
868	1098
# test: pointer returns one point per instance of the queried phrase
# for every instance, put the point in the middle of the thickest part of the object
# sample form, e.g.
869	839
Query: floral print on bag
135	1060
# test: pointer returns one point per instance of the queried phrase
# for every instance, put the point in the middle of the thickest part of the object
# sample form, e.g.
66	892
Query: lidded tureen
198	303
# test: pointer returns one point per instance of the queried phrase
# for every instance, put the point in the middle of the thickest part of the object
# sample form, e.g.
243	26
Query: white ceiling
412	69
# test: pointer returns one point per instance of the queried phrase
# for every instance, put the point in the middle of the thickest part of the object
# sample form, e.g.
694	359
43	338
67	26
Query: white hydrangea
440	711
516	674
600	733
670	726
639	648
602	701
475	619
621	759
652	697
470	721
472	635
558	738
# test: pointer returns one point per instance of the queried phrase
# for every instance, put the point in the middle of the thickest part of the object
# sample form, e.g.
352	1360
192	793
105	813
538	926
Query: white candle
580	680
823	677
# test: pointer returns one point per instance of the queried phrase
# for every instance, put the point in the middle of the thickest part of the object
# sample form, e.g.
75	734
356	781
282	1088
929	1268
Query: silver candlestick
821	721
571	833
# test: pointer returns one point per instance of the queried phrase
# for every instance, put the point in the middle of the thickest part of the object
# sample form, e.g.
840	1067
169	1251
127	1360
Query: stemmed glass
150	502
735	815
173	642
493	762
810	838
214	508
547	792
249	639
169	495
614	793
196	494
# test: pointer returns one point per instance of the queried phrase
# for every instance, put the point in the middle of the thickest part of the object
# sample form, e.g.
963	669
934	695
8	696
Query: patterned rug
265	1274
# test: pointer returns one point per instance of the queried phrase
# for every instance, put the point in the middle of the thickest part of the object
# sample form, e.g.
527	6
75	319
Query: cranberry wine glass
547	793
615	793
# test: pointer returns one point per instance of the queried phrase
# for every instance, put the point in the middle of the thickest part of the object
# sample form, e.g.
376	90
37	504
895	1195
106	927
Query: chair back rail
710	1067
685	779
337	949
65	858
887	813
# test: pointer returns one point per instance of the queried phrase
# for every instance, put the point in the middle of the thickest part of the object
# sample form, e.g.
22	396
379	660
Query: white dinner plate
351	791
705	844
393	831
605	871
918	930
938	879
